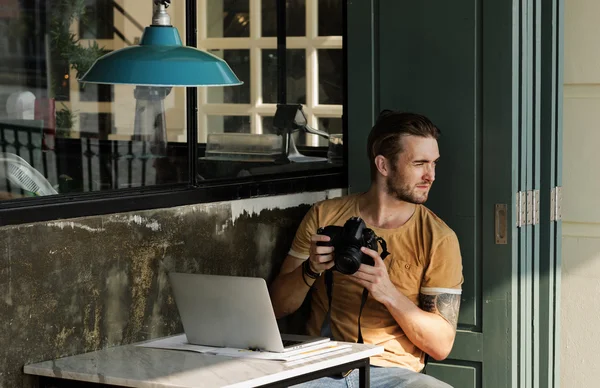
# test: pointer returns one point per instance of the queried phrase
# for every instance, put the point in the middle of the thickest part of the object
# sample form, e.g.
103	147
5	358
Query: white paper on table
340	349
179	342
176	342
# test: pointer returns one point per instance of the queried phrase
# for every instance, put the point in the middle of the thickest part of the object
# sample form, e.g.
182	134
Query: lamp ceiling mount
160	17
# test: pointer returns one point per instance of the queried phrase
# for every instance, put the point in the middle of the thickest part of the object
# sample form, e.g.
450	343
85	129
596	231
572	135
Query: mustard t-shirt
424	258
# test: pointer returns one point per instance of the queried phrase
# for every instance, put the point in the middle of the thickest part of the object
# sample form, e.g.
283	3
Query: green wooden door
550	181
486	72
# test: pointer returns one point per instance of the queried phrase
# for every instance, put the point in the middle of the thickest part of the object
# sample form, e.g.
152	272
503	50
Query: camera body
347	241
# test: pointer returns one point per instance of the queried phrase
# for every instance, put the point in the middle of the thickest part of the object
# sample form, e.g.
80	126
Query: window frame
64	206
255	43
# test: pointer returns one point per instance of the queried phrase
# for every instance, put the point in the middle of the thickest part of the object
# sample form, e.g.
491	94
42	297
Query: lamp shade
161	60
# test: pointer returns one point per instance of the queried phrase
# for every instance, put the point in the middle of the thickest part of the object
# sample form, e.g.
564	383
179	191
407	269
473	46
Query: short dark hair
385	136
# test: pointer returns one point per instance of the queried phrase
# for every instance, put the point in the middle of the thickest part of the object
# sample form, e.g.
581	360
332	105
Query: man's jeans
380	378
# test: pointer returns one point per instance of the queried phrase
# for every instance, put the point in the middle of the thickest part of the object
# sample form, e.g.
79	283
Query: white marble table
136	366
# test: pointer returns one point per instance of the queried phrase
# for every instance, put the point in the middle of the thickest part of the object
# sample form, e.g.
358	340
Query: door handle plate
500	225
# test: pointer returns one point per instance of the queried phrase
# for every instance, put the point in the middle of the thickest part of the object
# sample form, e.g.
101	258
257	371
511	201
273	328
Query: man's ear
382	165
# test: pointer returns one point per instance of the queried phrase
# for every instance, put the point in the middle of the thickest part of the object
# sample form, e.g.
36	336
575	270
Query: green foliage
65	44
65	118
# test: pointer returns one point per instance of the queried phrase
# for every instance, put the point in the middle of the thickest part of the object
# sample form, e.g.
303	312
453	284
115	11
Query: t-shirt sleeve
308	227
444	273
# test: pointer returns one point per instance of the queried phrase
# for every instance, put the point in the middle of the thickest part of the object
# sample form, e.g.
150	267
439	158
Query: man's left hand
376	278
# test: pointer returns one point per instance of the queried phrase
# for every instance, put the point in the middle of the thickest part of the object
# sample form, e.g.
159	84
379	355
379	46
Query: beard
404	192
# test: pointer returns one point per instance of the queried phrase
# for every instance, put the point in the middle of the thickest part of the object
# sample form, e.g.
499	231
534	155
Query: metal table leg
364	374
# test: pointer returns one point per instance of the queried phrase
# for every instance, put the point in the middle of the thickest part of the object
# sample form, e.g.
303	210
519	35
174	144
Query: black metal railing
26	140
89	164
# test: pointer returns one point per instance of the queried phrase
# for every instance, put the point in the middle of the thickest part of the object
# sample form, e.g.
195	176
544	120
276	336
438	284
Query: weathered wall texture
74	286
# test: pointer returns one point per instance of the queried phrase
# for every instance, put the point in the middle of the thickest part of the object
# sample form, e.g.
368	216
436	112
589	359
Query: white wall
580	305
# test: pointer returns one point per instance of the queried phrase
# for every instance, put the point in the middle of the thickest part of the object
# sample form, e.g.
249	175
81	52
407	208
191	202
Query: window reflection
295	17
330	77
85	139
228	18
229	124
59	134
330	17
296	75
313	78
98	22
239	61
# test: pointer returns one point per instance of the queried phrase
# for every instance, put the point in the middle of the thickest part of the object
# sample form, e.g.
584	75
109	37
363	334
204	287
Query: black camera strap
326	326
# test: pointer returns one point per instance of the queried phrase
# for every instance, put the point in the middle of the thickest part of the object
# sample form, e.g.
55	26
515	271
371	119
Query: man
414	294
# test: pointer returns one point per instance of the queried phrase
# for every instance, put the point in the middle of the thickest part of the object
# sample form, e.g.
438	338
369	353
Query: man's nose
430	173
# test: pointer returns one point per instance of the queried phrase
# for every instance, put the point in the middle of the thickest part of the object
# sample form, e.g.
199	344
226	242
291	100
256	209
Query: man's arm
445	305
431	328
290	287
288	290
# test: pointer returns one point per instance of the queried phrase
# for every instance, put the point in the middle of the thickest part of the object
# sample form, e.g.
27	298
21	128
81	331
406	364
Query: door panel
550	168
464	375
473	67
431	64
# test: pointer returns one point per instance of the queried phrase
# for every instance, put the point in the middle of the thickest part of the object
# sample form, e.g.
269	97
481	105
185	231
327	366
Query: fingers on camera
324	258
319	237
323	250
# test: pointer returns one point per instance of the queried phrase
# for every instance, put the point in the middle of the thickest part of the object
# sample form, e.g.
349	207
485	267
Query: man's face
413	173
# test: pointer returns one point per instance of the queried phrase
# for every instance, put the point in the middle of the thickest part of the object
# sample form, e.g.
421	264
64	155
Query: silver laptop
231	311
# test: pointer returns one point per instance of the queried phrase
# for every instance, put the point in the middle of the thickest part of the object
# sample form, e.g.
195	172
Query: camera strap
326	326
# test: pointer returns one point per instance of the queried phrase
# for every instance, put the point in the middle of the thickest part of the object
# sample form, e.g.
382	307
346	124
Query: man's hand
376	279
321	257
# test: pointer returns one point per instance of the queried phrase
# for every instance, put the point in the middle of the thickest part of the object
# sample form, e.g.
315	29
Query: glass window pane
239	61
295	17
60	79
227	18
98	20
331	124
267	124
96	125
228	124
296	76
96	92
47	121
331	76
330	18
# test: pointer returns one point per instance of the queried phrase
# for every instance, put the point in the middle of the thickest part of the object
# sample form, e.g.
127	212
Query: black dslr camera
347	241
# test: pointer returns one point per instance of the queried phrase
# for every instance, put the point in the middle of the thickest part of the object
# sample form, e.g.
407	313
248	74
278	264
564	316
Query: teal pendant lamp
157	64
161	60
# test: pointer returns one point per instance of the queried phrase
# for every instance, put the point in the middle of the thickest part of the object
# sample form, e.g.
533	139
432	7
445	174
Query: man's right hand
321	257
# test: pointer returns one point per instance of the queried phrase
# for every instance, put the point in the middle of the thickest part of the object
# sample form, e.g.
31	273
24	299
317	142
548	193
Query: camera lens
348	260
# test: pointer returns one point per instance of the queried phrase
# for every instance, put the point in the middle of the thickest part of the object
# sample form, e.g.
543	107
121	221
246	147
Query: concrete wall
580	306
78	285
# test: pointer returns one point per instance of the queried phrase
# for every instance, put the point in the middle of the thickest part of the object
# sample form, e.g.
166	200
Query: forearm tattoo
445	305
